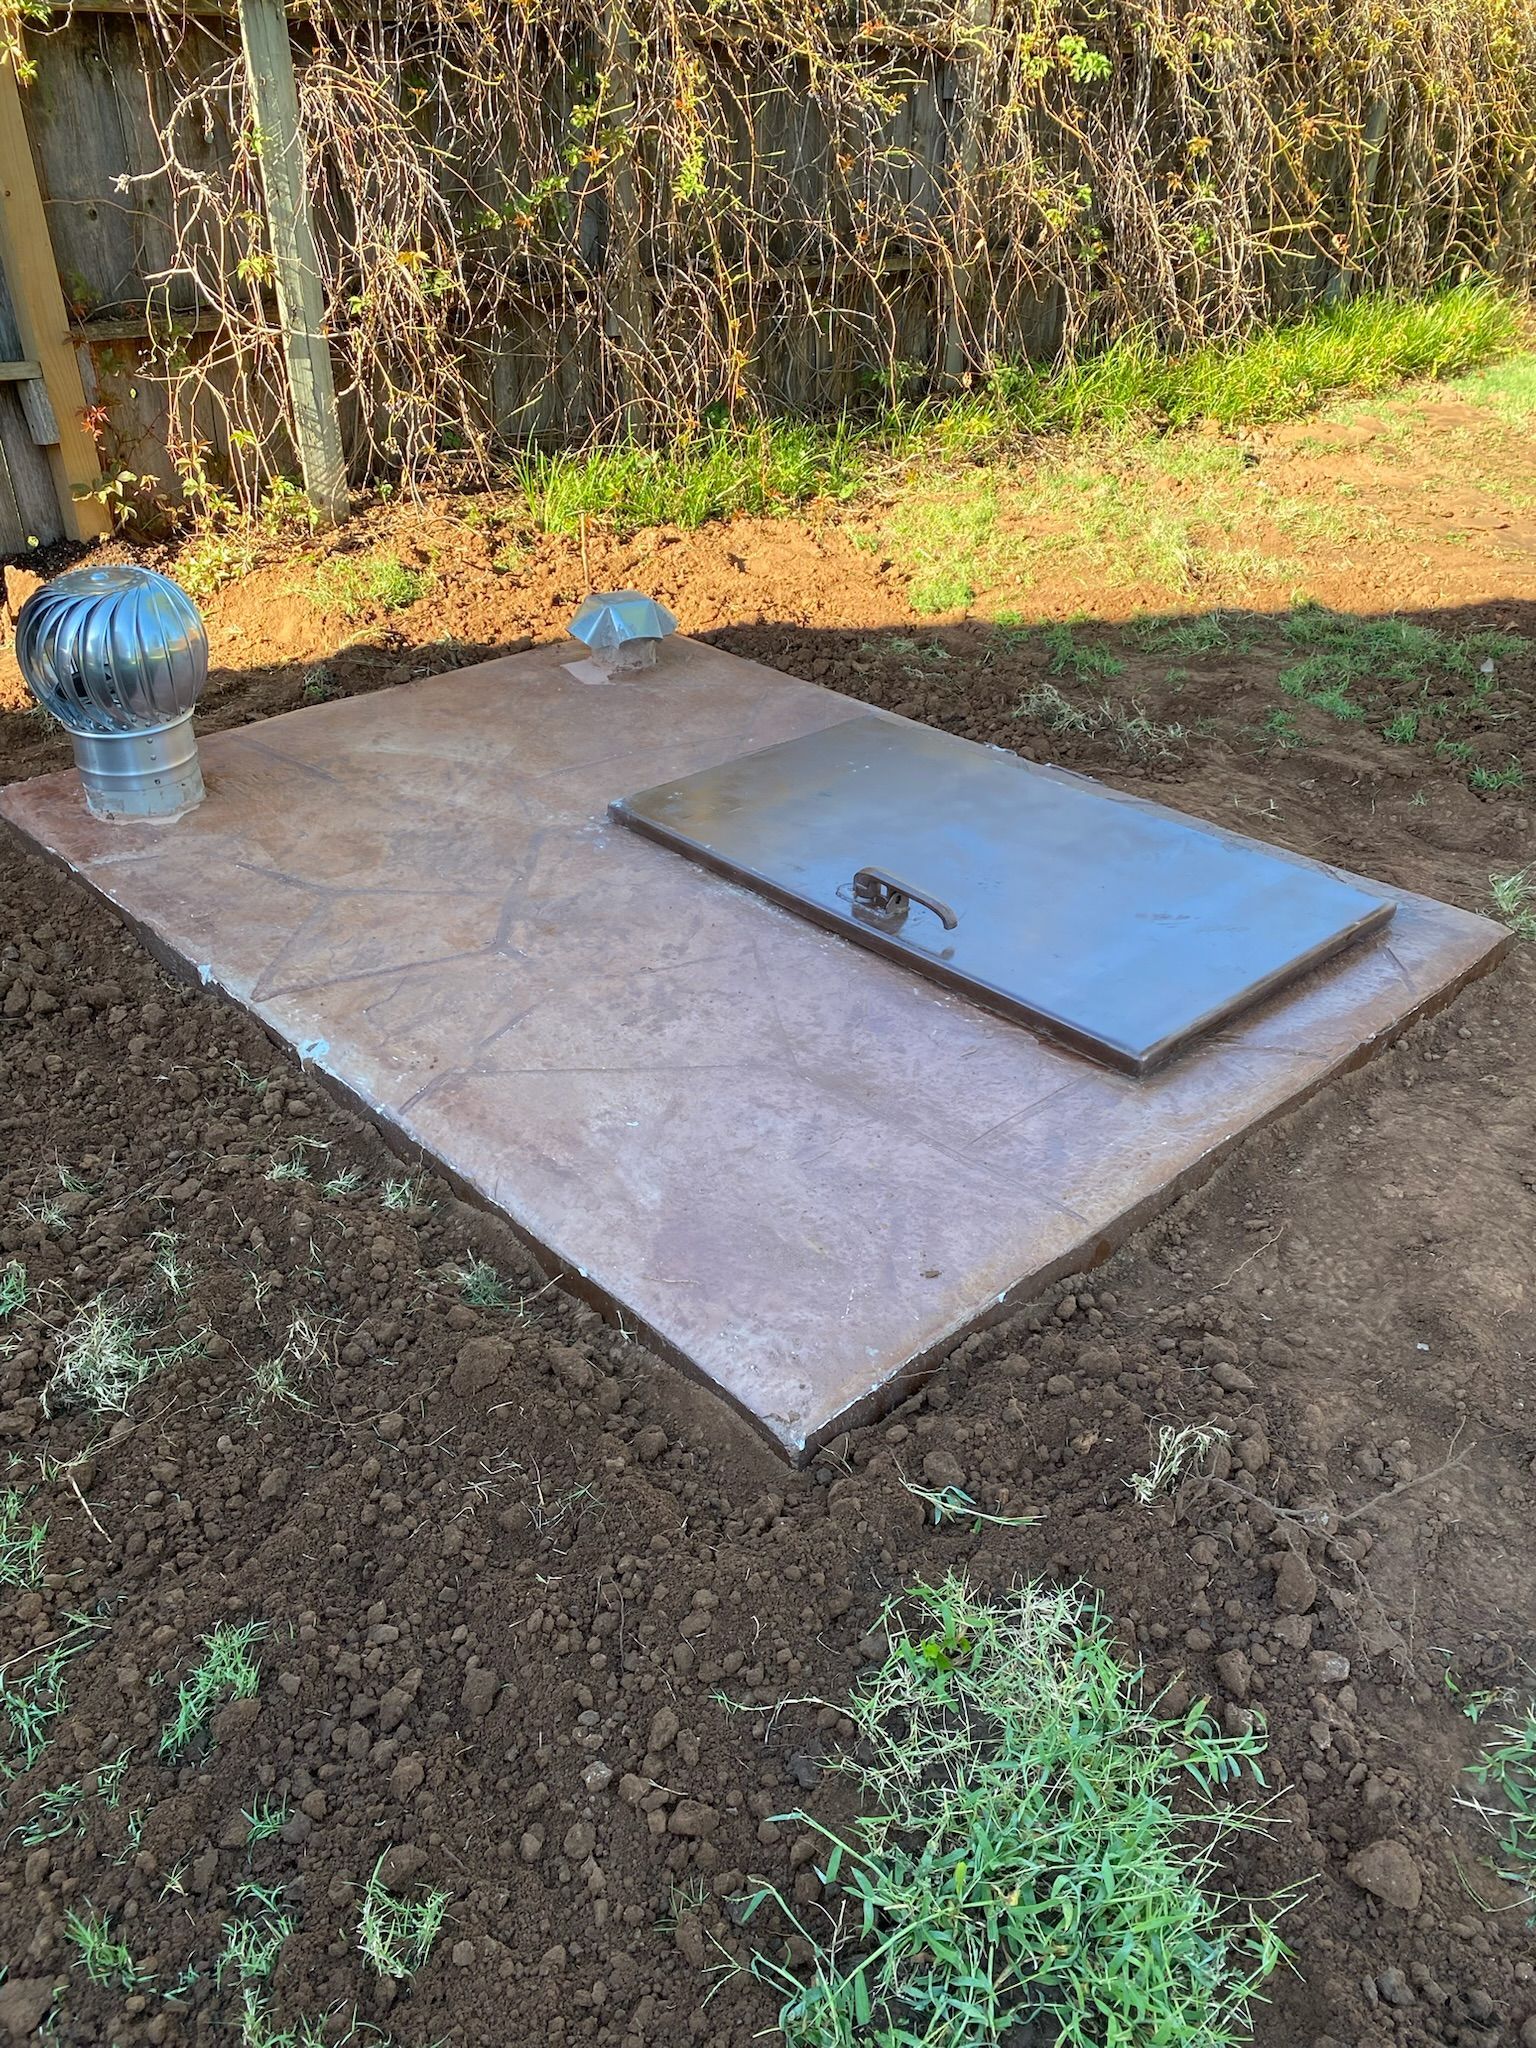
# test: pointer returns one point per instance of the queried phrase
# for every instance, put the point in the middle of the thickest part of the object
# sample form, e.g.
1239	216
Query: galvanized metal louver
119	655
623	629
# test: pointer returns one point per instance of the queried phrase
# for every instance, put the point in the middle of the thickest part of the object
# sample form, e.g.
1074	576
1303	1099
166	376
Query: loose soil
511	1566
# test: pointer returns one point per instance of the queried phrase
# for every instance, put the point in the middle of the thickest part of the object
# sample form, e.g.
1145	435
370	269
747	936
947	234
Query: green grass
226	1672
480	1285
63	1811
356	585
1069	658
954	1504
1280	728
402	1193
1210	633
13	1288
168	1268
1508	389
104	1960
108	1785
253	1940
1316	681
1491	781
282	1375
258	2029
1038	1851
394	1933
21	1554
265	1818
713	473
937	590
1506	1774
1514	899
1278	373
55	1816
45	1210
32	1698
1354	667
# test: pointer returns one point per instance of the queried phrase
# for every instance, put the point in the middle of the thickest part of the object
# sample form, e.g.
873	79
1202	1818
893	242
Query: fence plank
295	261
26	255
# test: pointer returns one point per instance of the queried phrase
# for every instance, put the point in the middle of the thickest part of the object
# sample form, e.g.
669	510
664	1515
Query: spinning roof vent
623	629
119	655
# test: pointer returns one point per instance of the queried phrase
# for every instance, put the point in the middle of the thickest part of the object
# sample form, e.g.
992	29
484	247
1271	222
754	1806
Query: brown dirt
531	1496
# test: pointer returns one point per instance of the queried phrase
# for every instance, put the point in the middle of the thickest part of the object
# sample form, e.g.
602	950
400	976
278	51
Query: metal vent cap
623	628
119	655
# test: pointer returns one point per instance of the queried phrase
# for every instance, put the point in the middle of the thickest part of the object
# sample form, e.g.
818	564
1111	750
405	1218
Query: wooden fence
533	220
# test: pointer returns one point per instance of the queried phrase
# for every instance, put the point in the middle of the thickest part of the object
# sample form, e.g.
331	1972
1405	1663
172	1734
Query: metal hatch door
1106	922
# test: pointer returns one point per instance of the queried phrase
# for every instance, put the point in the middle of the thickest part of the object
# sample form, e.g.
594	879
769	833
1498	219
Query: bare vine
551	219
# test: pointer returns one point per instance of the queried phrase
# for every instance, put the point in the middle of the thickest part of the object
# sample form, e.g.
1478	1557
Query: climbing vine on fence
560	217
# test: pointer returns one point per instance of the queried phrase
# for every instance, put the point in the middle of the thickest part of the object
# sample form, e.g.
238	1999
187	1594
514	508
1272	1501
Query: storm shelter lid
1106	922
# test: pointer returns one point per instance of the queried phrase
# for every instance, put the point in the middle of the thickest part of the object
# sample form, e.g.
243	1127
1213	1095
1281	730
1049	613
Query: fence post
26	254
627	294
295	259
968	223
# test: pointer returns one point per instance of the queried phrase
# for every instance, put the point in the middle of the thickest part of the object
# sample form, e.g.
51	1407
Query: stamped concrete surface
793	1164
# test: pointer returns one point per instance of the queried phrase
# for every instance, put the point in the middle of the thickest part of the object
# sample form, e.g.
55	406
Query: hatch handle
876	892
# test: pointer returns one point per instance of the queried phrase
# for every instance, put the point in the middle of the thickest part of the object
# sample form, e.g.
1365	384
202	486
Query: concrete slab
792	1164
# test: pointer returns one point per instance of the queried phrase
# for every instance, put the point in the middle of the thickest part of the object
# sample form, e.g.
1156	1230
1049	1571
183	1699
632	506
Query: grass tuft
32	1700
254	1939
1209	633
280	1377
1514	899
265	1818
396	1934
21	1555
355	586
480	1285
1506	1772
1128	727
1493	781
954	1504
1069	658
169	1270
100	1361
227	1672
258	2029
1177	1450
56	1815
13	1288
104	1960
1039	1850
